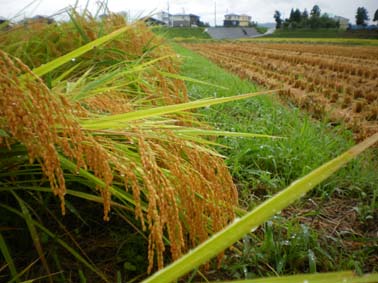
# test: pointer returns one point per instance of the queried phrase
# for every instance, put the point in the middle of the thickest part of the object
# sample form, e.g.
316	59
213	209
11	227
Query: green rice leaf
56	63
3	134
65	74
187	79
119	120
198	132
33	232
7	256
116	74
78	194
18	276
120	194
78	27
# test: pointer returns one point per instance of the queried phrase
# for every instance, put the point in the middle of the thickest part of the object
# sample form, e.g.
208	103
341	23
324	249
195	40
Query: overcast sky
261	11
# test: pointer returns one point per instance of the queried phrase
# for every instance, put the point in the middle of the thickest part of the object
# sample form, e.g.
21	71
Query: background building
164	17
235	20
344	22
185	20
244	20
231	20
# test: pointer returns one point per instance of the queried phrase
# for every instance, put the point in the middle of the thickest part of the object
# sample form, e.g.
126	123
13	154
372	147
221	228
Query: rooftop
192	15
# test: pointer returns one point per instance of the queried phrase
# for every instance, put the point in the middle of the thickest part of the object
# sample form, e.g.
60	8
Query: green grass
182	32
324	33
261	29
262	167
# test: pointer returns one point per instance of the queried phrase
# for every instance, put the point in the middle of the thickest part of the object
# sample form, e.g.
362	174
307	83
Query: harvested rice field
338	83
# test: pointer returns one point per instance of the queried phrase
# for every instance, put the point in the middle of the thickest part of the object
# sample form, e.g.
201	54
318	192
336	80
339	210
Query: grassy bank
182	32
292	242
261	29
323	33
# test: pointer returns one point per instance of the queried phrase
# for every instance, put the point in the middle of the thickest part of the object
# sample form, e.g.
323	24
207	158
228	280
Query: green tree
315	12
291	18
277	17
376	16
327	22
361	16
297	16
305	15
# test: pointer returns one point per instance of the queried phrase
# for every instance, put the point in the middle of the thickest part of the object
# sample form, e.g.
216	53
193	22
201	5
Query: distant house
164	17
185	20
235	20
245	20
178	20
231	20
344	22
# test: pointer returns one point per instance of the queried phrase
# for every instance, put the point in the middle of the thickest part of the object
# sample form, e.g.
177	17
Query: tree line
315	19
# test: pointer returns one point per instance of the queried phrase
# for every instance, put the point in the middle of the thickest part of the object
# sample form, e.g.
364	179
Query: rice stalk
179	189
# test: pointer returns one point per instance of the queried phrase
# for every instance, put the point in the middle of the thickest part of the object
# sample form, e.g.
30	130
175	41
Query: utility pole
169	15
215	13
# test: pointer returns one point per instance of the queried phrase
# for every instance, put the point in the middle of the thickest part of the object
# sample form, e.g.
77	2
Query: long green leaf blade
56	63
259	215
199	132
115	121
7	256
33	233
187	79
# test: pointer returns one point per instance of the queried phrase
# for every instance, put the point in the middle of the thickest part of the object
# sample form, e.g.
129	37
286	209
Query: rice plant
110	124
95	120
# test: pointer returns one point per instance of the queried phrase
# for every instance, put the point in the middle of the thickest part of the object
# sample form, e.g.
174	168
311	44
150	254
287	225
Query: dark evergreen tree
361	16
277	17
291	18
305	15
315	12
376	16
297	16
300	19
